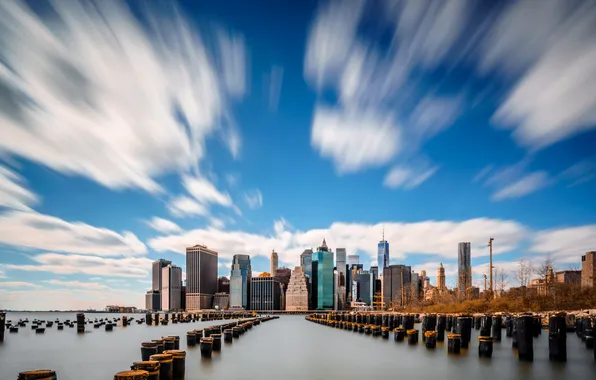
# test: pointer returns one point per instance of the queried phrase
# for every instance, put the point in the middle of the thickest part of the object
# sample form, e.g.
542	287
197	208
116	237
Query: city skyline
274	130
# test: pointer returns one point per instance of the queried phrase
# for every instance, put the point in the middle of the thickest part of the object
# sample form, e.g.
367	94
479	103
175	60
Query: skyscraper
441	278
365	286
297	293
350	277
265	293
353	260
240	279
171	285
307	268
274	263
324	277
201	277
396	285
156	283
464	268
340	291
383	253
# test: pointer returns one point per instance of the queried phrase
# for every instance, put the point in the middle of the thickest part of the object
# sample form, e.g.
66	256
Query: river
286	348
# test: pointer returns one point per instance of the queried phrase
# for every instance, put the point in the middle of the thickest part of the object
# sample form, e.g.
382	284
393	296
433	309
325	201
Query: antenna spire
383	231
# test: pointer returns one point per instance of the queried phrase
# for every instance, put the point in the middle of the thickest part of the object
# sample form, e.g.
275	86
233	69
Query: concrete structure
441	279
569	277
201	277
153	300
265	293
223	285
221	301
464	267
274	263
323	277
340	264
588	270
171	285
156	279
397	280
297	292
240	279
353	260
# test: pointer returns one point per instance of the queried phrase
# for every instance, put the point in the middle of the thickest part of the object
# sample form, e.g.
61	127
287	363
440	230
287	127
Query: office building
441	279
416	286
283	275
183	298
375	272
153	300
265	293
171	287
365	287
223	285
297	293
323	277
156	279
240	279
464	267
221	301
588	276
383	253
201	277
340	290
306	264
397	281
274	263
353	260
350	276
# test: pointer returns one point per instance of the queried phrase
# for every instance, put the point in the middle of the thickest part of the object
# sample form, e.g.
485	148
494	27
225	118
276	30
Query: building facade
350	276
353	260
297	292
156	279
153	300
201	277
464	267
340	284
441	278
171	286
324	277
221	301
365	287
265	293
588	276
274	263
383	254
397	280
223	285
240	279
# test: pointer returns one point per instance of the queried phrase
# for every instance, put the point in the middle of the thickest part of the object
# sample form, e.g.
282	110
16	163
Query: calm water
286	348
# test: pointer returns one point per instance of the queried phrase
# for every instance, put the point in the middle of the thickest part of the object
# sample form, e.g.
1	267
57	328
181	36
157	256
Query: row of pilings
521	328
81	322
162	359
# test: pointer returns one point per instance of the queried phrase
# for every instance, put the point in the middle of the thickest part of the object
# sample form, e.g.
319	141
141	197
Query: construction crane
490	244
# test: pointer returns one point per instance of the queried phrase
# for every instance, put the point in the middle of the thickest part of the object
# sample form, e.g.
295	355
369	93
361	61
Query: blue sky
129	131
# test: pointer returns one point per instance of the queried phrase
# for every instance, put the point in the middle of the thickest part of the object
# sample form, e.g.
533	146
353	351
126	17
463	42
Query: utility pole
490	244
484	282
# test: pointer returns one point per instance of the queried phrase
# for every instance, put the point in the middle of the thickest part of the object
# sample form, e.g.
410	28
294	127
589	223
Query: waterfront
287	348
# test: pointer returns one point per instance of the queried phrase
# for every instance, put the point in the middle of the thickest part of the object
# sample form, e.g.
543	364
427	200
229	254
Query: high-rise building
156	279
340	291
441	278
153	300
397	281
171	285
274	263
324	277
297	293
350	277
265	293
365	282
375	272
306	262
221	301
201	277
416	288
588	276
353	260
383	253
464	267
223	285
283	275
240	279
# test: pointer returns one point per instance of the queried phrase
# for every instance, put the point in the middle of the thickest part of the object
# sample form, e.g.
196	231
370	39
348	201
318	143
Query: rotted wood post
179	363
136	374
485	346
2	326
148	349
166	367
525	345
557	338
152	368
42	374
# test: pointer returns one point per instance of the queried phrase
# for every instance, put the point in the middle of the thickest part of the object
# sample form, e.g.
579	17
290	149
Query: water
286	348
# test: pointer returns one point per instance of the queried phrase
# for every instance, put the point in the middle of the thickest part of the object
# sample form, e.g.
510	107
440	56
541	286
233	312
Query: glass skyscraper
240	281
324	277
383	255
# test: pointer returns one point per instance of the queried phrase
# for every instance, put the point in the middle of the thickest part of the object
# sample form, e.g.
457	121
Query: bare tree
544	271
501	280
523	272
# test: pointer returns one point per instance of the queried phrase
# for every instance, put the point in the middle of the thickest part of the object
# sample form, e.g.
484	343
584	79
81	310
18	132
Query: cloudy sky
129	131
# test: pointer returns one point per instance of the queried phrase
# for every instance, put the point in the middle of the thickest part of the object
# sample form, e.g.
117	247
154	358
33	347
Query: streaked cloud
163	225
78	284
523	186
17	284
13	193
254	199
406	178
275	79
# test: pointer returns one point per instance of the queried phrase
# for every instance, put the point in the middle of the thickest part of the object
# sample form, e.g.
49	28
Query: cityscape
328	280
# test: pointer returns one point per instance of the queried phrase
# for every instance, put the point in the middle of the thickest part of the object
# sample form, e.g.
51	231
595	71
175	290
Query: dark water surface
286	348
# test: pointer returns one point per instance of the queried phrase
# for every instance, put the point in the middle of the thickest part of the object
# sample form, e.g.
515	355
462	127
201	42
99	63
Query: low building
297	292
221	301
265	293
153	300
588	275
569	277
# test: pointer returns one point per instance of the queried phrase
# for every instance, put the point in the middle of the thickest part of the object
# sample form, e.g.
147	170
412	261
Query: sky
131	130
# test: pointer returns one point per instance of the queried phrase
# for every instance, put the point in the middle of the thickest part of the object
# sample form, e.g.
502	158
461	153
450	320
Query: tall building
297	293
156	277
265	293
240	279
365	286
397	281
588	275
464	267
171	286
306	262
274	263
383	253
223	285
324	277
153	300
416	287
375	272
221	301
441	278
201	277
283	275
340	290
353	260
350	277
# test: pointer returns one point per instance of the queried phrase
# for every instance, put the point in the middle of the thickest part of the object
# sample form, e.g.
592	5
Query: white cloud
139	267
184	206
354	141
254	199
163	225
105	88
12	193
565	244
275	82
216	222
78	284
33	230
526	185
17	284
232	179
205	192
555	45
406	178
